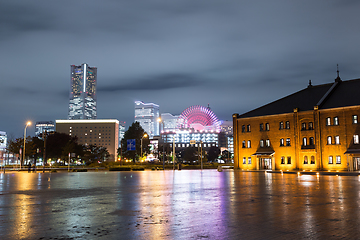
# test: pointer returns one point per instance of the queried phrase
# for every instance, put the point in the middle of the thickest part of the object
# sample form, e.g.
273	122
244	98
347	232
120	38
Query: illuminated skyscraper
147	114
82	104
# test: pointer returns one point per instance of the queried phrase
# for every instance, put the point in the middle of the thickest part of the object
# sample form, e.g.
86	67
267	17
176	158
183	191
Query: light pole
161	121
144	136
174	152
27	124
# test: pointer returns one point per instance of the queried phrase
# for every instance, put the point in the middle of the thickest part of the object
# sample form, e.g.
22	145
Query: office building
99	132
147	114
316	128
41	127
170	121
82	102
121	131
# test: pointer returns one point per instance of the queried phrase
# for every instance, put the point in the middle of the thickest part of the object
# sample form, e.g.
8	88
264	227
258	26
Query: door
356	161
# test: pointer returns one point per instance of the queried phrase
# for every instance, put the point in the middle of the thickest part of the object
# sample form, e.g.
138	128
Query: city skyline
233	55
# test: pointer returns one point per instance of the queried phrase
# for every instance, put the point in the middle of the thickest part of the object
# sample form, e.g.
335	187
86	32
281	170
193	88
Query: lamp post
161	121
174	152
144	136
27	124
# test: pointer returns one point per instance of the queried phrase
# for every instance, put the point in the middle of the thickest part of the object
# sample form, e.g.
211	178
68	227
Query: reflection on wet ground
189	204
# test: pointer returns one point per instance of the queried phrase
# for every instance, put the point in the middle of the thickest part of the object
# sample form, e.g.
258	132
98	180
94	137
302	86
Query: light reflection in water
177	205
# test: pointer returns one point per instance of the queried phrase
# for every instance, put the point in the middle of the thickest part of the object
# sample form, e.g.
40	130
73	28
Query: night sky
234	55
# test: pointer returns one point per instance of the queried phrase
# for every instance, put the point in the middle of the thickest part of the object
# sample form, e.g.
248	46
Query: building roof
325	96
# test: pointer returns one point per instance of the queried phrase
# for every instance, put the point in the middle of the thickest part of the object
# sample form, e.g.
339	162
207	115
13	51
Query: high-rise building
147	114
47	126
82	104
170	121
121	131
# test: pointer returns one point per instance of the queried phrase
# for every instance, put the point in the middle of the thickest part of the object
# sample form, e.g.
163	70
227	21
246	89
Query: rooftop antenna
337	79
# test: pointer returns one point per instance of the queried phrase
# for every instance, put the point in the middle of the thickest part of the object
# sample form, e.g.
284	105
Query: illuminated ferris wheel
199	118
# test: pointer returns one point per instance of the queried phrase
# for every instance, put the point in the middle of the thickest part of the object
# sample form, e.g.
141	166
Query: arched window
305	160
281	125
312	160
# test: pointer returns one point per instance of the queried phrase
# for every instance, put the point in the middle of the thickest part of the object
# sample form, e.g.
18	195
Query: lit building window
328	121
267	127
303	126
261	143
248	128
305	160
330	159
304	142
288	160
243	144
287	125
356	139
337	139
249	144
288	142
281	142
338	160
329	140
282	160
281	125
355	119
244	160
267	142
311	125
261	126
312	160
249	160
336	121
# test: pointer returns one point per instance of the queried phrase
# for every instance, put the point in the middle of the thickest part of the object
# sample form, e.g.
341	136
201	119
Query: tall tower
82	104
147	114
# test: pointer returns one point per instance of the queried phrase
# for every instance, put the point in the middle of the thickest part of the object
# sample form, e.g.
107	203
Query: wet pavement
188	204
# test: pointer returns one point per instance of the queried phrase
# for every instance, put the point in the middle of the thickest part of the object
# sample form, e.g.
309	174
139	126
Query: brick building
316	128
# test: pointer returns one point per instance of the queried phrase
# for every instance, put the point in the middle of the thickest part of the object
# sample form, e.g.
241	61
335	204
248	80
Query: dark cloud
235	55
163	82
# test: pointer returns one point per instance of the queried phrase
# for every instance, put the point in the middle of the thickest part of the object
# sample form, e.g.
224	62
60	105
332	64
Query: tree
95	154
136	132
190	154
213	153
56	142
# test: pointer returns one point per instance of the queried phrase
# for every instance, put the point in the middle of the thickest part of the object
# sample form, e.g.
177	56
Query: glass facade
147	114
40	127
82	102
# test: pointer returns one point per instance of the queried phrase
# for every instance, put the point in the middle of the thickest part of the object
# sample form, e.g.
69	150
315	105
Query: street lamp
144	136
27	124
161	121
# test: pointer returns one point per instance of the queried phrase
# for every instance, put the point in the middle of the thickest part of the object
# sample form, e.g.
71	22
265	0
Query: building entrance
265	163
356	161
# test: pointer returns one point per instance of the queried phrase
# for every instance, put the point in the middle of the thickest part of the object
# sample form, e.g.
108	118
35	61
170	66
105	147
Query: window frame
288	160
356	139
267	126
336	121
288	142
281	125
248	144
328	121
355	119
287	125
328	140
282	142
338	159
249	160
337	140
331	159
306	160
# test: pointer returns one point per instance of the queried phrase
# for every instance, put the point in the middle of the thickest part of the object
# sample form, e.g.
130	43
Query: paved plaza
188	204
